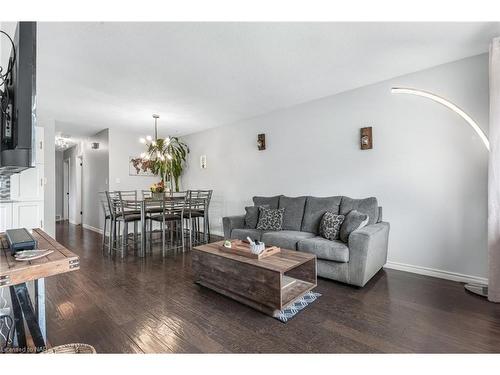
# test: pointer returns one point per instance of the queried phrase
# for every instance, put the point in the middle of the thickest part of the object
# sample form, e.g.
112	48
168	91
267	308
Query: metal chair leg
151	236
118	238
183	240
163	239
190	234
104	235
194	230
112	236
172	233
124	239
205	235
208	226
135	235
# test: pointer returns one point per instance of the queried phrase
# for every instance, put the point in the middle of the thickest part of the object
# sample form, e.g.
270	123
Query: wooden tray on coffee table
242	248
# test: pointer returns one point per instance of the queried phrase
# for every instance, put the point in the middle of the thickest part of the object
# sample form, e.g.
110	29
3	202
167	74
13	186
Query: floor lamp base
481	290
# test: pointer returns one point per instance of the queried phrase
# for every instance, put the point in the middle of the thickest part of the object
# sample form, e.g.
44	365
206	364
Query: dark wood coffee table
268	284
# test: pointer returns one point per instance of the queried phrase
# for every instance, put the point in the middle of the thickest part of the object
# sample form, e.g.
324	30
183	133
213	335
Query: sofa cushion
270	219
294	211
242	234
353	220
336	251
252	216
368	206
314	210
273	202
330	224
286	239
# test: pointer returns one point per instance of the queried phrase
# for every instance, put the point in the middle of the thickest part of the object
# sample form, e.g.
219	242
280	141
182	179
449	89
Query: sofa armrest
231	222
367	252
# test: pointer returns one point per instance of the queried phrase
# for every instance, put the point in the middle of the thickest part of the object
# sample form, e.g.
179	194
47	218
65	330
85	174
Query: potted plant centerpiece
164	157
158	190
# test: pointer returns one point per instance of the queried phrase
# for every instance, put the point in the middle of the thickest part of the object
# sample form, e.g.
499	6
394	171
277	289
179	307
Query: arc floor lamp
474	288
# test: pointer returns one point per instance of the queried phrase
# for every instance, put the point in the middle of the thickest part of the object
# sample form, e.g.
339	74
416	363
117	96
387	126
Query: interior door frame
66	188
78	195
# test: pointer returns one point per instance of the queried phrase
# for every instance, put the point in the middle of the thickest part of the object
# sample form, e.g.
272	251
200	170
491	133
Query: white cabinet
39	145
28	185
27	193
5	216
27	215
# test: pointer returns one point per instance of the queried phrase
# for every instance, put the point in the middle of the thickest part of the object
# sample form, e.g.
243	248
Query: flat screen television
18	102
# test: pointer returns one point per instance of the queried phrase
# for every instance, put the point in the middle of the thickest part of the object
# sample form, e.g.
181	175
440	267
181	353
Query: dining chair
114	205
147	194
107	216
198	202
132	204
123	212
168	218
151	207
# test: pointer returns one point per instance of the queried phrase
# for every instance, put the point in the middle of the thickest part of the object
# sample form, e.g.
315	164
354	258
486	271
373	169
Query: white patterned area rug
286	314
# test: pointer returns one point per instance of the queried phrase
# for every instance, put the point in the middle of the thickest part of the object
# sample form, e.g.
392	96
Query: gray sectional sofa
354	262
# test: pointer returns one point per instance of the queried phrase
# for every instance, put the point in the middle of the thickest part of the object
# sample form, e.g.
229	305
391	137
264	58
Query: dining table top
148	199
178	201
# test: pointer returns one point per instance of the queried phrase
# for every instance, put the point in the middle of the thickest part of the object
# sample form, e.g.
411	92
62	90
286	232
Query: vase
157	196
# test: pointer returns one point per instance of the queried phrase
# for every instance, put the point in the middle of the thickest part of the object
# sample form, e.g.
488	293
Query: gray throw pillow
270	219
273	202
252	216
329	227
353	220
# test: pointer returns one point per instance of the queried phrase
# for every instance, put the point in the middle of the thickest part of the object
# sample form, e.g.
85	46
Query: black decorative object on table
20	239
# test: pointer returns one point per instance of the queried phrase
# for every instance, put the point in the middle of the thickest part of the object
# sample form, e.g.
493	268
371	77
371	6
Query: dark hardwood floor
151	305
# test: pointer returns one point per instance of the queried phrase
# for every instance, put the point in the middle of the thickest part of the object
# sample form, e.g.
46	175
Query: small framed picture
136	167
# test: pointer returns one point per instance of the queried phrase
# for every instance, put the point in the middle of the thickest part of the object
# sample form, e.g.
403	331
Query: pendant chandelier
157	148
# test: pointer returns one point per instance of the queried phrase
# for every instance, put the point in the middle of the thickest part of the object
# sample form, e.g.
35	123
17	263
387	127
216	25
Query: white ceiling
200	75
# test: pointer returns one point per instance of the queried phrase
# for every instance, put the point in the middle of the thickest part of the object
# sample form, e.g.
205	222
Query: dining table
140	204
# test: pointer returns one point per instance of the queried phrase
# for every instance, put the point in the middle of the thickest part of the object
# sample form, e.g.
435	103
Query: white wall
122	145
428	169
5	46
103	169
95	179
49	204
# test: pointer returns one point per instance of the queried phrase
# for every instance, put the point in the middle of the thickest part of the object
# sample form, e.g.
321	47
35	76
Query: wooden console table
15	275
268	284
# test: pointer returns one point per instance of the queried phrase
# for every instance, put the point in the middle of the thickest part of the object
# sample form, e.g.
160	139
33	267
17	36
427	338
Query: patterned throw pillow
270	219
329	227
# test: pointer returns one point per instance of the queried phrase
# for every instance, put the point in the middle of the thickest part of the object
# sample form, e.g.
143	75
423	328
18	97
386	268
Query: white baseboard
447	275
94	229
